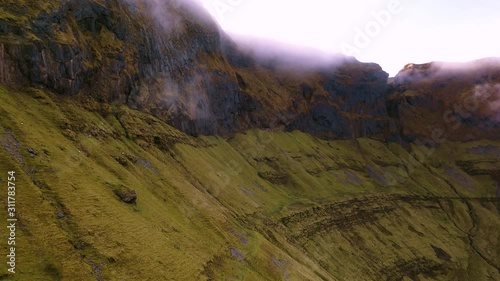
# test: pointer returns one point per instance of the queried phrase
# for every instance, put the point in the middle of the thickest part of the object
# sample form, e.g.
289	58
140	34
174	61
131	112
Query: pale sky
391	33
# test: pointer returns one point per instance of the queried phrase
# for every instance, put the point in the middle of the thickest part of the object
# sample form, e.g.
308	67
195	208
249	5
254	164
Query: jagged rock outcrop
438	101
354	104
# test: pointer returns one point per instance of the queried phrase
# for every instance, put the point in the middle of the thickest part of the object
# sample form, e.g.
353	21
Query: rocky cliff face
438	101
116	51
172	61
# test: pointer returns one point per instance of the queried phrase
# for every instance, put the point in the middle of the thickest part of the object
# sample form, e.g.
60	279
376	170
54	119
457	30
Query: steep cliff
172	61
439	101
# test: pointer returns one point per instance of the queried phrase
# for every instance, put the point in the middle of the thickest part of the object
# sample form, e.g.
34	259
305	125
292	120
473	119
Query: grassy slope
261	206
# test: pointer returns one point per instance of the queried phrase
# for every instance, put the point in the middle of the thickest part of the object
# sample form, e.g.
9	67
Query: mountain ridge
189	73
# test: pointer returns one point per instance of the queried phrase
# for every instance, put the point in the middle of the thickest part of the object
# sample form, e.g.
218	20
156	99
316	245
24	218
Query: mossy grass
208	207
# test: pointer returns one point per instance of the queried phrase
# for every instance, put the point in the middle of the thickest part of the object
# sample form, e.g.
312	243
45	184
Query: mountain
148	145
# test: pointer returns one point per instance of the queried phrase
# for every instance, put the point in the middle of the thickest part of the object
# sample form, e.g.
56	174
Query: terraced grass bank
108	193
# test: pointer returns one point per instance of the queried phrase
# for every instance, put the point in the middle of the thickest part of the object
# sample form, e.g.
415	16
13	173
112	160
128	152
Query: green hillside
263	205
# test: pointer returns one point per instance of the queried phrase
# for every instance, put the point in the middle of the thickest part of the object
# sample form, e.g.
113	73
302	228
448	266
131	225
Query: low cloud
171	15
283	56
490	94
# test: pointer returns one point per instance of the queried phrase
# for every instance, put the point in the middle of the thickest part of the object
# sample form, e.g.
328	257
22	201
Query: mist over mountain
148	144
